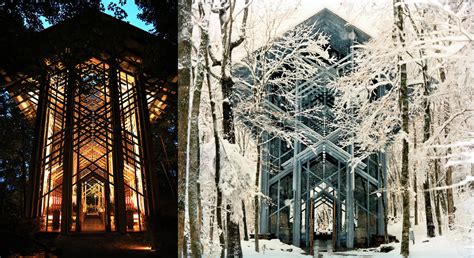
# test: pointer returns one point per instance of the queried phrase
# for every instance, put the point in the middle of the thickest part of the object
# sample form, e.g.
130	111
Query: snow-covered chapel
312	190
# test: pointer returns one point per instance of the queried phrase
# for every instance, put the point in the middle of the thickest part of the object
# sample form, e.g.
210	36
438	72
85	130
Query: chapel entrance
323	225
326	217
92	211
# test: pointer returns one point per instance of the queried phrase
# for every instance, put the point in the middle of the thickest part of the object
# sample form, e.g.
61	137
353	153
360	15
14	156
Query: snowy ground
450	245
271	248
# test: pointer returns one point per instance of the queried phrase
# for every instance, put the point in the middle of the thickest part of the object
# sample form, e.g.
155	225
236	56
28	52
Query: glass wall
134	177
92	153
323	202
281	210
52	160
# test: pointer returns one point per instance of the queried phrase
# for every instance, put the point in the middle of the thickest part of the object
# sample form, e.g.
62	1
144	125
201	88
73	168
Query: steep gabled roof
89	34
338	29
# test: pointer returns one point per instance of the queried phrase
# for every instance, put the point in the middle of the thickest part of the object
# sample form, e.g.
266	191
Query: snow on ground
271	248
450	245
447	246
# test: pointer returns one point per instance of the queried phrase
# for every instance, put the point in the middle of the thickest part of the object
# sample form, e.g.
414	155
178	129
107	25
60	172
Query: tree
15	154
227	15
162	14
389	86
184	84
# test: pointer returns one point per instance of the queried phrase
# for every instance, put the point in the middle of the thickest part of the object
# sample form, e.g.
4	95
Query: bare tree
391	85
184	82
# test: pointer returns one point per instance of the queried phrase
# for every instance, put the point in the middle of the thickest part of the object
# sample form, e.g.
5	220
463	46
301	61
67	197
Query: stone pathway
93	223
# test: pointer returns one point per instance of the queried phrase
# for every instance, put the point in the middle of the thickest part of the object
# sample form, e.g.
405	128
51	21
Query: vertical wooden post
117	151
311	226
338	209
145	141
297	198
68	151
108	221
334	222
79	203
350	204
108	226
38	144
297	184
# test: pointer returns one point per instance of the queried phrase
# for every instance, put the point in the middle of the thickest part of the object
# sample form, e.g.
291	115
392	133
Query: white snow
450	245
271	248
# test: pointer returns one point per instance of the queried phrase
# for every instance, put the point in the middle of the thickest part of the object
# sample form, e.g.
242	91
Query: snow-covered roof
338	29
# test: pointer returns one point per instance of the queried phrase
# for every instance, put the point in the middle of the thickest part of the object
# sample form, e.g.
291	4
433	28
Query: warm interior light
143	248
92	147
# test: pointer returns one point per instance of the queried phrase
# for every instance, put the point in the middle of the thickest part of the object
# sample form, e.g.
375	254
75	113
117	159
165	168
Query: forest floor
101	245
450	245
88	245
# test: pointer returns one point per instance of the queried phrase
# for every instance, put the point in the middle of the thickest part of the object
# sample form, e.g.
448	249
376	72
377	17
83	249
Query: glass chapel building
91	88
312	190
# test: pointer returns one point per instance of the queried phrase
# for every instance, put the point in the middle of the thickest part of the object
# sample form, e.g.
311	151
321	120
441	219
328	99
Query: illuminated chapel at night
91	90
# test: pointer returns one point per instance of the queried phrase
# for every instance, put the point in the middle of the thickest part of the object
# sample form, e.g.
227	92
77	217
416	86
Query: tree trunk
193	177
194	195
184	82
226	21
449	170
430	227
394	206
415	186
233	231
217	161
438	199
257	203
385	211
449	196
228	116
246	236
404	177
234	250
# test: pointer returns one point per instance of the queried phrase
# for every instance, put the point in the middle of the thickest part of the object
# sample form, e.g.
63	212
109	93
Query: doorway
323	224
93	205
326	218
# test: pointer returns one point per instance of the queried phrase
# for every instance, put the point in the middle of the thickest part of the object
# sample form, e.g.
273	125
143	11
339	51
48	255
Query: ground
450	245
271	248
102	245
88	245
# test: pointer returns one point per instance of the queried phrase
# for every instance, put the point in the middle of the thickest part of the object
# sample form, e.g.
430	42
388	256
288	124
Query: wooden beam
117	151
146	142
79	204
68	152
38	142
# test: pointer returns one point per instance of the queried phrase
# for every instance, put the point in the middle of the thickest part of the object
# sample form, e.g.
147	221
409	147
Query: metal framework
306	184
92	109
